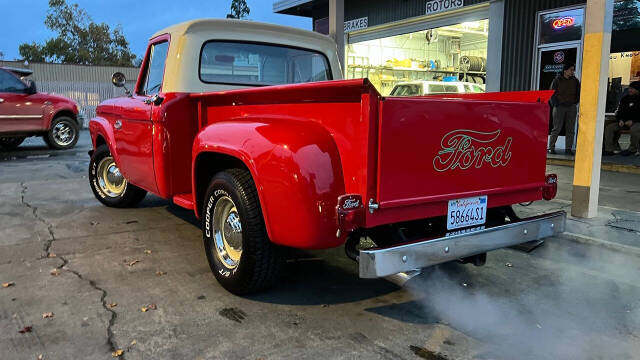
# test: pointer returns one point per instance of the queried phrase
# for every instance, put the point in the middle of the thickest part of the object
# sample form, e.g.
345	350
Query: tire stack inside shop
473	64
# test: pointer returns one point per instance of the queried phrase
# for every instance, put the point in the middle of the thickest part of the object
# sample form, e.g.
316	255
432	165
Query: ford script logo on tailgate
466	148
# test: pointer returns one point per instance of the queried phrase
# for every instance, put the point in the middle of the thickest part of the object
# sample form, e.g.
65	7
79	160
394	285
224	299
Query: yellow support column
595	70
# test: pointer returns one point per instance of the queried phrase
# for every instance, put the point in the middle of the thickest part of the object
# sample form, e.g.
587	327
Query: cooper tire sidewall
227	277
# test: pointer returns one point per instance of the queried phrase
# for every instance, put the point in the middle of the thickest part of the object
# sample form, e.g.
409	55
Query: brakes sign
436	6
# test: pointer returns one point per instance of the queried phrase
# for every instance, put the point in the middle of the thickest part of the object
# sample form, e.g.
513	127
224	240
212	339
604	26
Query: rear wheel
239	252
10	143
109	185
63	133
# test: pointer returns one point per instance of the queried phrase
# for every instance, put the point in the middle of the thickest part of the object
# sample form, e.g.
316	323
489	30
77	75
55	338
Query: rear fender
297	170
100	127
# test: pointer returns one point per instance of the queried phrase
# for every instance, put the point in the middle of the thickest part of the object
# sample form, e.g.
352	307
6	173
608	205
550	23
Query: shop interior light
471	25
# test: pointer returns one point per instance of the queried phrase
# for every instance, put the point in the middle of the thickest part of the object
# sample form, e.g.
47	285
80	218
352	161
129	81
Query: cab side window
155	72
11	84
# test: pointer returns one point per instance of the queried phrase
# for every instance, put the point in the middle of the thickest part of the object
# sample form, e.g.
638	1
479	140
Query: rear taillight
550	188
349	213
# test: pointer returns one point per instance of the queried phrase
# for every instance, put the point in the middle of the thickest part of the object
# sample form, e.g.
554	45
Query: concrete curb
588	240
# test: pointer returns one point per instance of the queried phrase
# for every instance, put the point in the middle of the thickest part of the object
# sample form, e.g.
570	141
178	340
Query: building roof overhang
294	7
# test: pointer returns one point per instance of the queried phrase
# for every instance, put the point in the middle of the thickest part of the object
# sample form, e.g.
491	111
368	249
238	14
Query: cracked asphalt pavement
137	280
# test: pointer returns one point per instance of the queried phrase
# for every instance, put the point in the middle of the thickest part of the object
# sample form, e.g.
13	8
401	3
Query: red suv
25	112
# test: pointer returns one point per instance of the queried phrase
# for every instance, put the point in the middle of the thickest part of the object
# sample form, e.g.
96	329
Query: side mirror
31	87
118	80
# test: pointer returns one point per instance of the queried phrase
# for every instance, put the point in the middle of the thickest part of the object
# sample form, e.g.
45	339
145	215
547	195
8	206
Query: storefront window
452	54
624	60
561	26
624	68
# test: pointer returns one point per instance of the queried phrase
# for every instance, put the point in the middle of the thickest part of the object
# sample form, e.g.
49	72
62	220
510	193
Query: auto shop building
508	45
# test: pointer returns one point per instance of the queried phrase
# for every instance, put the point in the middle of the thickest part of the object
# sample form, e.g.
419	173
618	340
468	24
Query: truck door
133	131
19	111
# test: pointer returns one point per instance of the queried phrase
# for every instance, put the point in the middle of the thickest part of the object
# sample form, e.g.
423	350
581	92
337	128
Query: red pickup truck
249	125
26	112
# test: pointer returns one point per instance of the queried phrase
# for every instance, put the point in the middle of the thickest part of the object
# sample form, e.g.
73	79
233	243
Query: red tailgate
432	150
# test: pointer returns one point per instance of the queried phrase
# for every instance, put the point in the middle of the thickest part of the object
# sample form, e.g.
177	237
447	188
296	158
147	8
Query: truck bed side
298	190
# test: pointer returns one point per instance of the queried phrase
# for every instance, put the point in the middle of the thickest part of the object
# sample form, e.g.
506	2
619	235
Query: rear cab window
258	64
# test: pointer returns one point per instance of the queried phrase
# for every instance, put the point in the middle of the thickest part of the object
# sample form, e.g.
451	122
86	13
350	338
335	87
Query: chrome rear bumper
378	262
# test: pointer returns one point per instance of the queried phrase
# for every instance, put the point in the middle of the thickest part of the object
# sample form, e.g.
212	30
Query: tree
31	52
239	9
1	55
626	15
79	40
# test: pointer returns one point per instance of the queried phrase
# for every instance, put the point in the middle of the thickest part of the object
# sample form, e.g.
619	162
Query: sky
23	21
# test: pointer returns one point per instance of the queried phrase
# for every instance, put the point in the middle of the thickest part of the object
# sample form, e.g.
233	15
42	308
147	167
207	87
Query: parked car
250	126
419	88
25	112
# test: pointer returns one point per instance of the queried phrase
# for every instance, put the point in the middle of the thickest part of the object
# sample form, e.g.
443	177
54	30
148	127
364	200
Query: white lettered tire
238	249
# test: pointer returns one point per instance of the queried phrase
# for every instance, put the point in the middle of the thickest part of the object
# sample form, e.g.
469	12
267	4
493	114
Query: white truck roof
187	39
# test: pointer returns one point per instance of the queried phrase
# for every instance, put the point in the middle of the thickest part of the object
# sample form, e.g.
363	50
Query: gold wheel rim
110	179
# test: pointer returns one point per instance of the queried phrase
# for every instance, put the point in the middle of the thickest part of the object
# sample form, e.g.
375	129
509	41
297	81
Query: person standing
628	116
565	109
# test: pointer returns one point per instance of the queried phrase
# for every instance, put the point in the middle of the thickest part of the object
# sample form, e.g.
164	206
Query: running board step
184	200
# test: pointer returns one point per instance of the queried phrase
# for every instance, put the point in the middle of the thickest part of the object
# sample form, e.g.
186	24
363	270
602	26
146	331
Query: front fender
99	126
297	170
54	105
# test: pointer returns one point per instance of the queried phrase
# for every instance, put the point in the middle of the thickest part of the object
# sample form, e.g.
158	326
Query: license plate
467	212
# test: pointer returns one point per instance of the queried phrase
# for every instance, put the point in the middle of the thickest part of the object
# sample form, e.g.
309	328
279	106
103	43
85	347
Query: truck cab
251	126
196	57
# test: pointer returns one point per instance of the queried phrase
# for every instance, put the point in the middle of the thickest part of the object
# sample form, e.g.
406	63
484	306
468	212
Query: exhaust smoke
563	301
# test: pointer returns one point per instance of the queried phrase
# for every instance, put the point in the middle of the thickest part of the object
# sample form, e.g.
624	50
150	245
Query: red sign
564	22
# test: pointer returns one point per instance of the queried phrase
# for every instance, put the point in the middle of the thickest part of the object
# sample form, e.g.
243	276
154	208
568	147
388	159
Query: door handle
155	100
117	125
